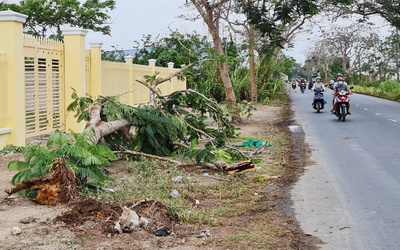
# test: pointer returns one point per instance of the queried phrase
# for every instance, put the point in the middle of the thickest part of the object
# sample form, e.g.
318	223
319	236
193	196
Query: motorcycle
302	87
331	83
342	99
310	85
319	101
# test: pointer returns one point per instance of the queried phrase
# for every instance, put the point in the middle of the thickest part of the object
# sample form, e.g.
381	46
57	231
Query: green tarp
253	143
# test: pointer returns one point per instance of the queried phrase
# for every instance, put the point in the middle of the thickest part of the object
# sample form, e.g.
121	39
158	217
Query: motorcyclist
302	82
318	84
331	82
339	85
294	83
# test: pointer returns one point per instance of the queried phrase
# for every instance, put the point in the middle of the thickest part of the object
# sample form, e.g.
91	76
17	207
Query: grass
155	180
390	94
225	201
10	149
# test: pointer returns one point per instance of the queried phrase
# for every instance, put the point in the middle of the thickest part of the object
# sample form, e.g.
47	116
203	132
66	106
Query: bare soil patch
88	224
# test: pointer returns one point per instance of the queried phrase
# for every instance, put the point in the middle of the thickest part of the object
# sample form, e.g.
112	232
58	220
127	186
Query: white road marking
365	109
393	120
377	114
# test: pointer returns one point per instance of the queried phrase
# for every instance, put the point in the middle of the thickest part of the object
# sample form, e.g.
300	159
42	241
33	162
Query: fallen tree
176	124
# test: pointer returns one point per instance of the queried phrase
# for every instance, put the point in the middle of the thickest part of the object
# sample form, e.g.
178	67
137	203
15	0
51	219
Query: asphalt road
349	196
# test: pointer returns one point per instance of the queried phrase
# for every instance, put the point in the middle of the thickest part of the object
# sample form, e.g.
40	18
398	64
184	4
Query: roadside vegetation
389	89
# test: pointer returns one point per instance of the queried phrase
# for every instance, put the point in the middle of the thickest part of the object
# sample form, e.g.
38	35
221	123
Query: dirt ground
88	224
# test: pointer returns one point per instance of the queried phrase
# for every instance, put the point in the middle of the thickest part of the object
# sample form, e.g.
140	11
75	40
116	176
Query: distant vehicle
331	83
313	78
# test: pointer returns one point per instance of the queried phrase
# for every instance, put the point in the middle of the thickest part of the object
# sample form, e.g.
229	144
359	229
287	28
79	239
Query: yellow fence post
95	70
152	65
75	75
131	83
171	86
11	43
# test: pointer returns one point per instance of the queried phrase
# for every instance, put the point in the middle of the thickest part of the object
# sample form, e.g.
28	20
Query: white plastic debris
178	178
175	193
143	222
204	233
128	221
16	230
108	189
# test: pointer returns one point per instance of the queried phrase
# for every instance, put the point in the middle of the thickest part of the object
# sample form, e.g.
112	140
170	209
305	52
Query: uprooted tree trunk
102	129
57	186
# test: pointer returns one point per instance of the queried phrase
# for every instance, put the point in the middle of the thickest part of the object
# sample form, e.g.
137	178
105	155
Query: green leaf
78	152
58	139
87	173
17	165
21	176
92	160
103	151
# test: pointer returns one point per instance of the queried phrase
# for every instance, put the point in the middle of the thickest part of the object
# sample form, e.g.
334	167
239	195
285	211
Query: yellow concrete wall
82	70
119	79
11	43
115	80
3	89
5	131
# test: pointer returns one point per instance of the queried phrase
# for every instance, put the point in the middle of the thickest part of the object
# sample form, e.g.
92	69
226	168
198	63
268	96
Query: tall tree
351	44
244	28
211	11
278	20
387	9
48	16
275	25
182	49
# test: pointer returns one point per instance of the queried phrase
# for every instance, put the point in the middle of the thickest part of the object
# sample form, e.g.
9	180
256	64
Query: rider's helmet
317	78
331	81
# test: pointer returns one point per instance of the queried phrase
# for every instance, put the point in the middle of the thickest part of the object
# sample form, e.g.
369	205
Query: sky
134	18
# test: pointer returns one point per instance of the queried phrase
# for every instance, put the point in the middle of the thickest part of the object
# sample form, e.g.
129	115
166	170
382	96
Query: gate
44	86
